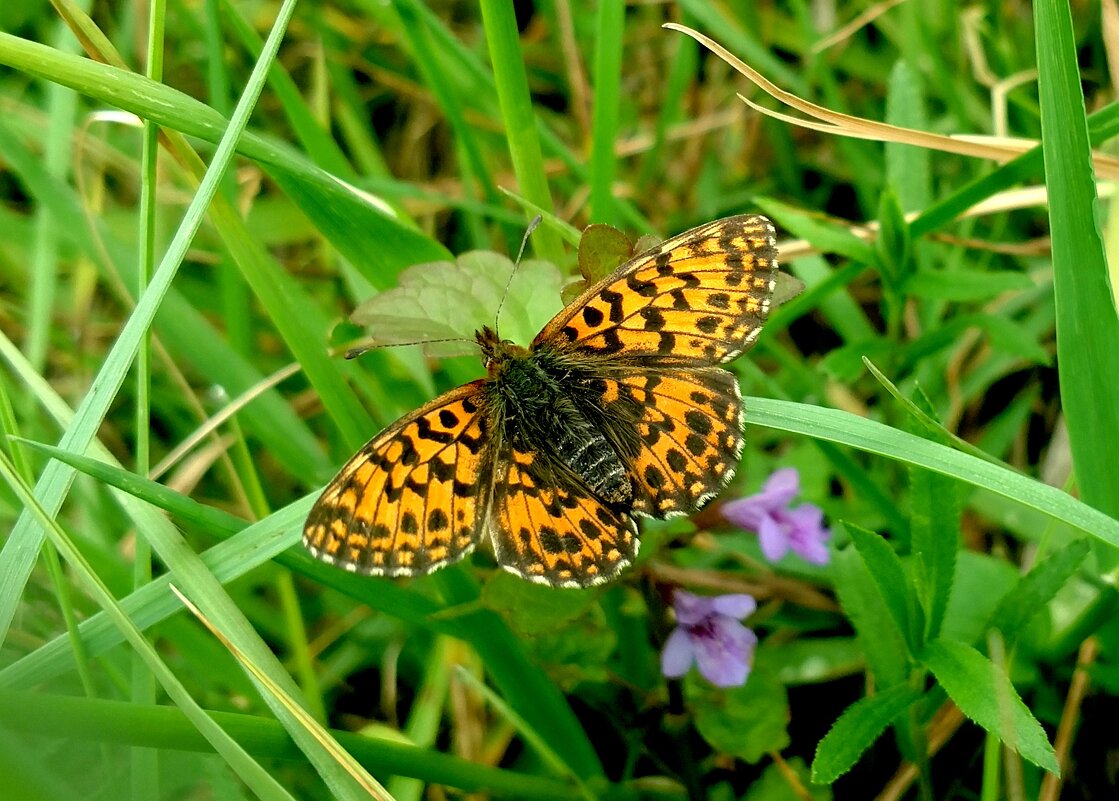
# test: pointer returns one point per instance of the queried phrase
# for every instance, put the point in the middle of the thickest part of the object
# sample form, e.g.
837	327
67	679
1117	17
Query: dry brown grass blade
824	119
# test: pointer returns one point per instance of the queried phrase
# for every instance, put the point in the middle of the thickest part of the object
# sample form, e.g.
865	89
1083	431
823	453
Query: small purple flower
780	527
709	634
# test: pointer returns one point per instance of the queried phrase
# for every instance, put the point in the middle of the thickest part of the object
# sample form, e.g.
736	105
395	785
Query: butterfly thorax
531	395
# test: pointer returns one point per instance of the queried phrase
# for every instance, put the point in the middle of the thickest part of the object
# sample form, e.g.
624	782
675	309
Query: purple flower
709	634
780	527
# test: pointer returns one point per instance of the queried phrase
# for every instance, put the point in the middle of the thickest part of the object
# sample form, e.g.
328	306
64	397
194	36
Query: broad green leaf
446	299
1087	319
983	692
748	721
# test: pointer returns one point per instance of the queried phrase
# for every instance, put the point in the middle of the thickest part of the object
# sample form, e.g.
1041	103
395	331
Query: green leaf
907	166
1038	587
532	608
882	641
748	721
602	249
857	729
934	535
965	284
984	693
870	436
888	575
454	299
893	243
1087	322
981	582
823	234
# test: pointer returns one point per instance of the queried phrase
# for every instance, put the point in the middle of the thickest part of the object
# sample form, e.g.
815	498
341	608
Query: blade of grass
1087	324
874	437
144	774
504	42
256	777
313	727
57	716
19	552
609	44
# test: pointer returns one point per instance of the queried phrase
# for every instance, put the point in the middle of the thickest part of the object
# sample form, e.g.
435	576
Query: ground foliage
966	610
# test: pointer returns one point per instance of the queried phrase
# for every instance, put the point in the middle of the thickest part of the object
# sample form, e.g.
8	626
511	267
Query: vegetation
195	196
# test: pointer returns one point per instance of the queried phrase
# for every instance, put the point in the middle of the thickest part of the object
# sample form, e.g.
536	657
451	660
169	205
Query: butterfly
617	408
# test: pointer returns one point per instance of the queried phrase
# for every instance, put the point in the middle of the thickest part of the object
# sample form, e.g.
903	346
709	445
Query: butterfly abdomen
539	416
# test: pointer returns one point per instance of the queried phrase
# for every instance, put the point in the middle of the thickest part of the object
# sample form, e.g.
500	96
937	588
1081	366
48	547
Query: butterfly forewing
415	497
700	297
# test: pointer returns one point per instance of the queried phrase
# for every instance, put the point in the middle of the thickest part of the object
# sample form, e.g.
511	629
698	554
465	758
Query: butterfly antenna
505	292
353	353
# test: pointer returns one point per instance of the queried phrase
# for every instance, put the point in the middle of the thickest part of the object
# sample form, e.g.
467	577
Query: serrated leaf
983	692
857	729
1030	595
934	531
888	576
748	721
441	300
965	284
880	638
532	608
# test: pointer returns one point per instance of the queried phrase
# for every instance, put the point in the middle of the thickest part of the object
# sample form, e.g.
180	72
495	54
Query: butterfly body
616	408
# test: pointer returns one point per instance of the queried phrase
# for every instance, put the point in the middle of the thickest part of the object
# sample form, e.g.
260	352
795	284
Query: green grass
946	387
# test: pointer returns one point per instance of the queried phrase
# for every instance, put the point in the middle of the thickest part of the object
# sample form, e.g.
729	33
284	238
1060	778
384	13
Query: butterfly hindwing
689	426
550	529
415	497
700	297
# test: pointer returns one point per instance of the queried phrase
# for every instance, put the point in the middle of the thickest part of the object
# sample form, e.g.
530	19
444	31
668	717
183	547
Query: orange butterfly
617	407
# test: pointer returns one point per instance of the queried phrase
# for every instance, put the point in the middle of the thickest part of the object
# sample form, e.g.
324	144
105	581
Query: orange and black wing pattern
548	528
414	498
698	298
688	426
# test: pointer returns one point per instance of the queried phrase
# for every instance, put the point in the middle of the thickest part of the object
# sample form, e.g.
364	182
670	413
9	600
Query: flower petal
690	609
678	654
745	513
807	535
725	653
781	487
737	606
773	539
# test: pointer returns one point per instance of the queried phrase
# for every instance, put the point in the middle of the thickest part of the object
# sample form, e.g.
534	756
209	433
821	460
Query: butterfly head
497	352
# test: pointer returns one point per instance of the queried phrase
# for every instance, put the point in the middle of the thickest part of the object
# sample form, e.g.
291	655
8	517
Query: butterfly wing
700	297
415	497
680	429
550	529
